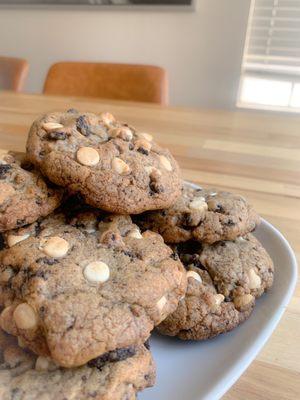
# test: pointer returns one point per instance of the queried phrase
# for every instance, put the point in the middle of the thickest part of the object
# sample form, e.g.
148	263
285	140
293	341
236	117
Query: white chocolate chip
152	170
135	233
96	272
89	230
51	126
165	163
161	303
147	136
41	363
194	275
242	301
6	192
124	133
3	154
120	166
88	156
240	239
5	315
213	194
14	239
107	118
45	364
198	203
6	275
254	279
219	298
25	317
21	343
55	246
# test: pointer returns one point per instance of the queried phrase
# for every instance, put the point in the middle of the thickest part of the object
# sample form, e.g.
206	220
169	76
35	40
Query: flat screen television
99	2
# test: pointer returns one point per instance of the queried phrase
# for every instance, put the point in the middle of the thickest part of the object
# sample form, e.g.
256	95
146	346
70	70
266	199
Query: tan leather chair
110	81
13	73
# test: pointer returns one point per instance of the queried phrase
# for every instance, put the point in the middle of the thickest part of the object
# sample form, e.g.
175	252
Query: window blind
270	77
273	38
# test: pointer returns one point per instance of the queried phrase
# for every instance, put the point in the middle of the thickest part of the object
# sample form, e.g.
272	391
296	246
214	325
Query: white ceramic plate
206	370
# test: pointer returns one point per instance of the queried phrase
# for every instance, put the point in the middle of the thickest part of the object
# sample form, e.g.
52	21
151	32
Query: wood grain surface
256	154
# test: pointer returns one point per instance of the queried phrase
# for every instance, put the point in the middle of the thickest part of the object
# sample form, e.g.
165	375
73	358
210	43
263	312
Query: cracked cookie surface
24	376
202	214
78	286
223	281
110	164
24	194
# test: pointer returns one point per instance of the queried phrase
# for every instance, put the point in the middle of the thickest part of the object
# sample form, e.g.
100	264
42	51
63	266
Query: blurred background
217	54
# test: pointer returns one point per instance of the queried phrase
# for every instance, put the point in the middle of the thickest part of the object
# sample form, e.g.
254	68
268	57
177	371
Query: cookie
24	194
224	279
204	215
110	164
119	376
83	285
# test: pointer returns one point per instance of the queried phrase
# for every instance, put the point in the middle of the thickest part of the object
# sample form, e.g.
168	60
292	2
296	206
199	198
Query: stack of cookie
101	243
227	267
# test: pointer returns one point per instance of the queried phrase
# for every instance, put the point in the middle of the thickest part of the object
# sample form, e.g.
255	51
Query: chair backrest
13	73
110	81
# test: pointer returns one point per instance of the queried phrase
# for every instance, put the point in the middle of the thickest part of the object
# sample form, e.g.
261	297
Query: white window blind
271	62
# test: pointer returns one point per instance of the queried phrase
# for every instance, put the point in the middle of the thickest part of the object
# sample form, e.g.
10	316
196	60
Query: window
270	76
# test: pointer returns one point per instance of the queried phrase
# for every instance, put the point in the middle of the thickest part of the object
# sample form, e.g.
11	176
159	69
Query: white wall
202	50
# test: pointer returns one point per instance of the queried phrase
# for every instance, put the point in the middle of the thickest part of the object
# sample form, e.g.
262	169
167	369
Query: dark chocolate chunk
147	377
187	220
57	135
72	111
174	256
219	209
129	254
42	311
4	168
2	242
20	222
25	164
155	187
82	125
46	260
112	356
143	151
37	228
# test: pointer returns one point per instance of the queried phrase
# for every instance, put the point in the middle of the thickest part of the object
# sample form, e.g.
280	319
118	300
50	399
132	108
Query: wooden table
256	154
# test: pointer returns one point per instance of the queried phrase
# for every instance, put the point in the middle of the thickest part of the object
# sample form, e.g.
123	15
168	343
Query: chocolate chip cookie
24	194
82	285
204	215
117	376
223	281
110	164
